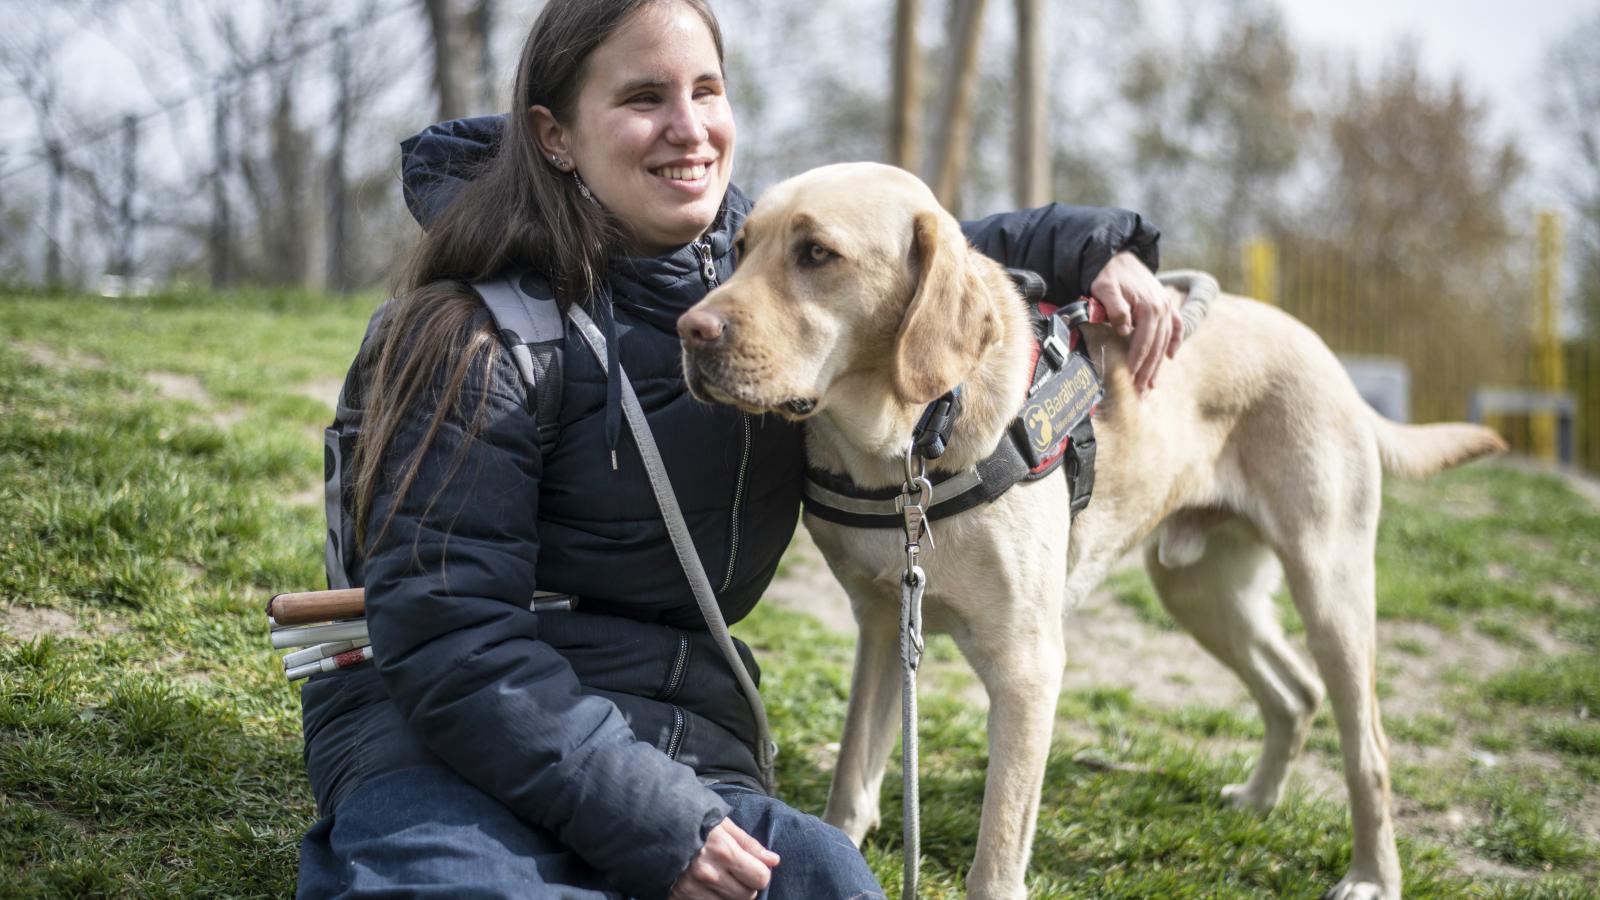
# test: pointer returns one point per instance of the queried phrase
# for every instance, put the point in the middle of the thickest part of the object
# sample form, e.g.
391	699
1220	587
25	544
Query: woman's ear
552	137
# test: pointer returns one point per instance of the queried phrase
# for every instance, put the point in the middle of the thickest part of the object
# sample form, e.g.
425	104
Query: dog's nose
698	327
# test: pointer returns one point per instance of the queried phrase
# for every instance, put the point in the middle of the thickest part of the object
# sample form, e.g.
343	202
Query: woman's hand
731	866
1137	304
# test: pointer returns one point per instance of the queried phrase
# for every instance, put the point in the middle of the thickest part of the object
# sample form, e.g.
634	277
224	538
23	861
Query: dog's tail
1417	450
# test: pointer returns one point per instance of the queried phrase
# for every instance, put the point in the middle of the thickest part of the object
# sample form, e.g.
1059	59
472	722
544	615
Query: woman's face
651	133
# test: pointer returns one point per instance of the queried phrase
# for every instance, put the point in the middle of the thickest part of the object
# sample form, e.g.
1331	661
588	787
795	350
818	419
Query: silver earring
559	163
584	189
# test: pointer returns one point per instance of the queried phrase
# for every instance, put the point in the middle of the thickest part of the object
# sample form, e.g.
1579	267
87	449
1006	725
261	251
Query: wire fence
252	142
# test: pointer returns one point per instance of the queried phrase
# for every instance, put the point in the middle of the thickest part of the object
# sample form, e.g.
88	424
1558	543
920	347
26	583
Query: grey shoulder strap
529	321
683	544
530	324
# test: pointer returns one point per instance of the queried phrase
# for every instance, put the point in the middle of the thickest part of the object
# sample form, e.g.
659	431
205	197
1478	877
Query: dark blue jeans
425	832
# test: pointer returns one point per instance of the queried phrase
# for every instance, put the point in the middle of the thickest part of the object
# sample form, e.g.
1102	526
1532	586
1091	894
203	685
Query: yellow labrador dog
858	301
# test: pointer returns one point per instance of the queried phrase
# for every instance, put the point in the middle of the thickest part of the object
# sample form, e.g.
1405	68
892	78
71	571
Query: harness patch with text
1065	390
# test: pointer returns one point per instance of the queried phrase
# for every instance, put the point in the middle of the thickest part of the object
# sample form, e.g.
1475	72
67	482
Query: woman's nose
687	124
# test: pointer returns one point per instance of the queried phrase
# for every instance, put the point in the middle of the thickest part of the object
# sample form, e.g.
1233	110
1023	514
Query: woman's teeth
682	173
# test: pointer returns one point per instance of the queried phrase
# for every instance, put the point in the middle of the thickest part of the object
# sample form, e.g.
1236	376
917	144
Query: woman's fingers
1118	314
1140	352
751	871
1136	303
751	845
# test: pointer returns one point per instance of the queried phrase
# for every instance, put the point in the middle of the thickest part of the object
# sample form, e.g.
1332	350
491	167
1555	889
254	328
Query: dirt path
1171	668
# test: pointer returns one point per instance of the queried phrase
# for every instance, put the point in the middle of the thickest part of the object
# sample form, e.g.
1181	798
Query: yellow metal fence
1538	387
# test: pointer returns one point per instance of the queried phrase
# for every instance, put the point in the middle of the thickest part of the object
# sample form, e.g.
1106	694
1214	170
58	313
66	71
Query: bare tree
905	107
460	39
1217	127
1405	246
30	66
955	120
1031	159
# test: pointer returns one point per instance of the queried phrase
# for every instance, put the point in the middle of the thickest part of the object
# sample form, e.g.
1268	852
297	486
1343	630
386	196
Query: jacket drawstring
613	379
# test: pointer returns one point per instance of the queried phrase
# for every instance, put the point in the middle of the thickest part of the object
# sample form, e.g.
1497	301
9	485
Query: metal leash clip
916	496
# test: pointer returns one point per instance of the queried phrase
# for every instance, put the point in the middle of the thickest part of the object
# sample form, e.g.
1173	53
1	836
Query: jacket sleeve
448	586
1067	245
437	161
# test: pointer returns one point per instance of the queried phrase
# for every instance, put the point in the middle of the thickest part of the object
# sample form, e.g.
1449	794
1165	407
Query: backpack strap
530	324
529	321
342	564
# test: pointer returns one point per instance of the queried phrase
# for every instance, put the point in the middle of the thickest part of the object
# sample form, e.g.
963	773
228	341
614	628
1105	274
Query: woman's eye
814	254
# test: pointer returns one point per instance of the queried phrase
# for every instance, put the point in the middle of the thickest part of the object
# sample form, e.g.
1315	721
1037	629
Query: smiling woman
492	750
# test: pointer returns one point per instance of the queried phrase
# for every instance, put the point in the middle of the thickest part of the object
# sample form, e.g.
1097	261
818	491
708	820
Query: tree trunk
955	125
123	263
480	23
338	277
461	37
58	174
221	263
905	121
286	261
1032	159
447	84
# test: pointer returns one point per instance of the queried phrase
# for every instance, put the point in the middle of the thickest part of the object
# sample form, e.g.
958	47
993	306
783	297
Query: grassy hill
159	467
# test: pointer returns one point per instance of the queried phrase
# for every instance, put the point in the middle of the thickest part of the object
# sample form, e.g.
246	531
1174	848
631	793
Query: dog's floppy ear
951	318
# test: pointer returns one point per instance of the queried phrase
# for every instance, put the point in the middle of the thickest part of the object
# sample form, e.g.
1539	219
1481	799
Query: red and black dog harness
1052	431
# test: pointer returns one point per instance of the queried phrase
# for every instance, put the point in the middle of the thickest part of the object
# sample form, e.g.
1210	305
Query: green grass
150	747
1570	681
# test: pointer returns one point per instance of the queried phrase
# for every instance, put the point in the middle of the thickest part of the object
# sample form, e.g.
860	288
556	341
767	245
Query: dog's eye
813	255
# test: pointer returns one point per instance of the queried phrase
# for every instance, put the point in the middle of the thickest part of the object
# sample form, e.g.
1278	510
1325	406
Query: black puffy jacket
599	725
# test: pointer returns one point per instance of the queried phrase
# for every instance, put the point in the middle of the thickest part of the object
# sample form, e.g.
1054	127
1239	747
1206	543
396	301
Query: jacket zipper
708	271
675	743
680	664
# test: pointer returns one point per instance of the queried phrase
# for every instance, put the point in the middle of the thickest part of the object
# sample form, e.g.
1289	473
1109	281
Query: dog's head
846	272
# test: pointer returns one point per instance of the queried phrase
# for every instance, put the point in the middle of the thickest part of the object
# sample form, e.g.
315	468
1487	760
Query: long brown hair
518	211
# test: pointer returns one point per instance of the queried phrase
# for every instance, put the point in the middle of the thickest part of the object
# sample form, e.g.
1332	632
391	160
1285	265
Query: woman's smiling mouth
681	173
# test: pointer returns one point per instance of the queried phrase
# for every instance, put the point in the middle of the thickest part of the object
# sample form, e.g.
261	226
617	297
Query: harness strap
683	544
835	498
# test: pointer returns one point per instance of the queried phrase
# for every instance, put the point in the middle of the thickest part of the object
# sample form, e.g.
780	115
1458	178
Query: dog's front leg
1021	669
872	720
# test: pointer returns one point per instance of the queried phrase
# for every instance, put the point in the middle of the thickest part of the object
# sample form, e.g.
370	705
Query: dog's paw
1240	796
1353	888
